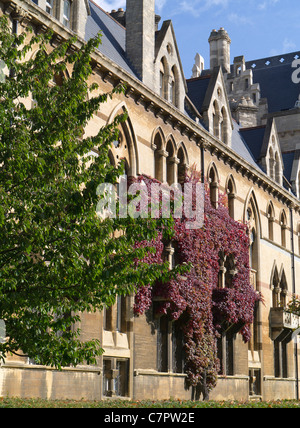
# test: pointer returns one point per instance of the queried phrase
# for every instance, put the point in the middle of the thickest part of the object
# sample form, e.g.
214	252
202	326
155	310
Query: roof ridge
275	56
192	79
253	127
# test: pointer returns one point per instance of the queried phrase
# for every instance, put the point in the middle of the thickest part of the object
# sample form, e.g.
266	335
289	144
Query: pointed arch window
277	169
120	150
252	247
283	226
271	219
172	88
230	190
227	270
275	288
124	146
252	218
271	164
283	290
171	163
224	126
163	78
182	165
159	158
216	120
213	186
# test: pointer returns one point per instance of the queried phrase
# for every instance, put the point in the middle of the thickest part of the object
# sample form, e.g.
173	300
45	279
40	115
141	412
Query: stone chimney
220	49
119	15
140	38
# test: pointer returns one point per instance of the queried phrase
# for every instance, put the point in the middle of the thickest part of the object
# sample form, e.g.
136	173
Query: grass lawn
120	404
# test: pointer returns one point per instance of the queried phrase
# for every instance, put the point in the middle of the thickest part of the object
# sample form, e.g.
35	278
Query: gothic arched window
224	126
213	186
163	78
277	169
216	120
271	164
271	219
275	288
159	158
230	190
171	163
182	165
283	226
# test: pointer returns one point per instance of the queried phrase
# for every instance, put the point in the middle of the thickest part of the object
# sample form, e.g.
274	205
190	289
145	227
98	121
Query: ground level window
121	380
177	349
106	378
115	377
226	354
254	382
280	359
170	346
163	345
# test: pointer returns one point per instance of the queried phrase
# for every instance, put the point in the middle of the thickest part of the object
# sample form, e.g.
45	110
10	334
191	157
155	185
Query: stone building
240	124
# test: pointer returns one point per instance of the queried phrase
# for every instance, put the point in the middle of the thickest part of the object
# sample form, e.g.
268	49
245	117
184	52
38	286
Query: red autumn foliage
195	300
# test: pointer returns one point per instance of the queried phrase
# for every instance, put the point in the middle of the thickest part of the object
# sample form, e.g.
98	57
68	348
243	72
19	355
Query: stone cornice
152	102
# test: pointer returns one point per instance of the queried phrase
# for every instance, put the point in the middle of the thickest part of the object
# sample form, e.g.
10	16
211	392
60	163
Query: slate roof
113	36
197	88
275	78
240	146
288	160
254	138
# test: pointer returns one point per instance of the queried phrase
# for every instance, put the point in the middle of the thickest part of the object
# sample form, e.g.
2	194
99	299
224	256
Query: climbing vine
194	299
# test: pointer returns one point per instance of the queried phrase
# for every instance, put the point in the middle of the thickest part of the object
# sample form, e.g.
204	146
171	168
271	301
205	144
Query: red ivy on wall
194	299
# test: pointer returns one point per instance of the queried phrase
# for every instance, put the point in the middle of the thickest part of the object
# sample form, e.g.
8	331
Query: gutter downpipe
294	293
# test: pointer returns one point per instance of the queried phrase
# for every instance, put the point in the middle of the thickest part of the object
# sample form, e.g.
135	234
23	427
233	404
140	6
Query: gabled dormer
215	107
271	156
263	141
170	82
71	13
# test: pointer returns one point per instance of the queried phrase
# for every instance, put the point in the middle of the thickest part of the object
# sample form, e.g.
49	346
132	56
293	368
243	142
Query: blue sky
257	28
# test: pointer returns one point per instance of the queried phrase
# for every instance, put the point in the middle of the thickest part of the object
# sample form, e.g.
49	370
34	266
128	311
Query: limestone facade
165	133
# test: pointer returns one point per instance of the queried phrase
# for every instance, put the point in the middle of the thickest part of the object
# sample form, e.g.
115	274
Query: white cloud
108	5
266	4
239	19
287	46
160	4
197	7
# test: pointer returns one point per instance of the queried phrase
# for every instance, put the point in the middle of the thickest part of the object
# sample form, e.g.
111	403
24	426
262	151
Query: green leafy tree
57	257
